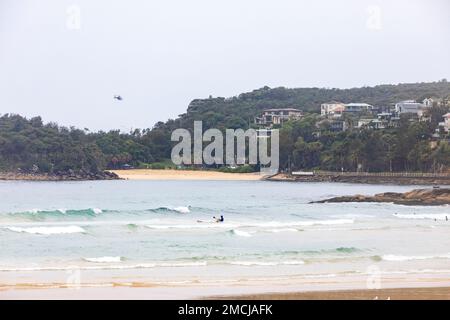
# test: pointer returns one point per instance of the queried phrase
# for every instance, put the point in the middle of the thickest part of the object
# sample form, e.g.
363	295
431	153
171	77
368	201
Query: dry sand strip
149	174
440	293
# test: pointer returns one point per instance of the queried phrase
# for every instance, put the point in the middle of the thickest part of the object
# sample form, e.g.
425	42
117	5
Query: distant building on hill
408	106
383	120
355	108
335	125
272	117
445	125
387	120
428	102
365	123
332	109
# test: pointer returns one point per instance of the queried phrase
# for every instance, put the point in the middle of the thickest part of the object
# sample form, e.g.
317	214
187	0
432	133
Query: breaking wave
180	209
107	267
273	225
40	214
392	257
240	233
48	230
428	216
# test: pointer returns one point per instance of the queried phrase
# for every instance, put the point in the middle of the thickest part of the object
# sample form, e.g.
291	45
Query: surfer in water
215	220
221	219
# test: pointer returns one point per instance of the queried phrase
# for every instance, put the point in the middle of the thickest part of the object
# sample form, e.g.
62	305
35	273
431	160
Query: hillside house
332	109
358	108
445	125
408	106
272	117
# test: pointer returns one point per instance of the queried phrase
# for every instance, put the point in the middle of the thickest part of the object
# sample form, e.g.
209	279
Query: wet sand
141	284
139	293
442	293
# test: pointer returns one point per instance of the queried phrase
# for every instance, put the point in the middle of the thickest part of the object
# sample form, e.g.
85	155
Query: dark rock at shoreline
426	197
69	175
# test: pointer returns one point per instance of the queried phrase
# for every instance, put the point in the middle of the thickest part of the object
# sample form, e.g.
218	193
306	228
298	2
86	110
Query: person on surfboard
217	220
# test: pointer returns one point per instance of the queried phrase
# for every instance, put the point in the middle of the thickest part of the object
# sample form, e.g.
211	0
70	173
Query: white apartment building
358	107
408	106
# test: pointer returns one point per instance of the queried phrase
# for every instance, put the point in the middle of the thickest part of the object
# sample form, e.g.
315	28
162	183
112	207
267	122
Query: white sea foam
97	210
283	230
266	263
189	226
430	216
182	264
241	233
104	259
48	230
253	263
182	209
263	225
107	267
292	262
352	216
304	223
392	257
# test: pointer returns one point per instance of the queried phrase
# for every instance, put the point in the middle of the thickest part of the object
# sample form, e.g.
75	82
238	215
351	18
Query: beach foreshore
146	293
440	293
169	174
120	284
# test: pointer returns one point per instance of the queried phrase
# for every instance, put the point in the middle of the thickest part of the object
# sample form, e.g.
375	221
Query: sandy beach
442	293
150	174
143	284
113	293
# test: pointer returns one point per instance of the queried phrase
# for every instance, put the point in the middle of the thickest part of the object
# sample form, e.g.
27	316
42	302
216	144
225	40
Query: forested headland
32	146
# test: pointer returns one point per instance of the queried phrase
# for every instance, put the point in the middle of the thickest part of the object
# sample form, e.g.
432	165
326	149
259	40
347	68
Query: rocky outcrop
69	175
425	197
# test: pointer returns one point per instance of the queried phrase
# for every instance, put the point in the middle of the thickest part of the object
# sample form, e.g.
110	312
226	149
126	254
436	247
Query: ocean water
163	231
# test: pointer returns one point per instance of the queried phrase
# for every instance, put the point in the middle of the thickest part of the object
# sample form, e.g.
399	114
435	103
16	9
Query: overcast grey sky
159	55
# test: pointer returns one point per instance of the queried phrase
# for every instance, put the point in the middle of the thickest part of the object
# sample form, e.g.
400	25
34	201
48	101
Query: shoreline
363	179
210	175
69	176
170	174
123	285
